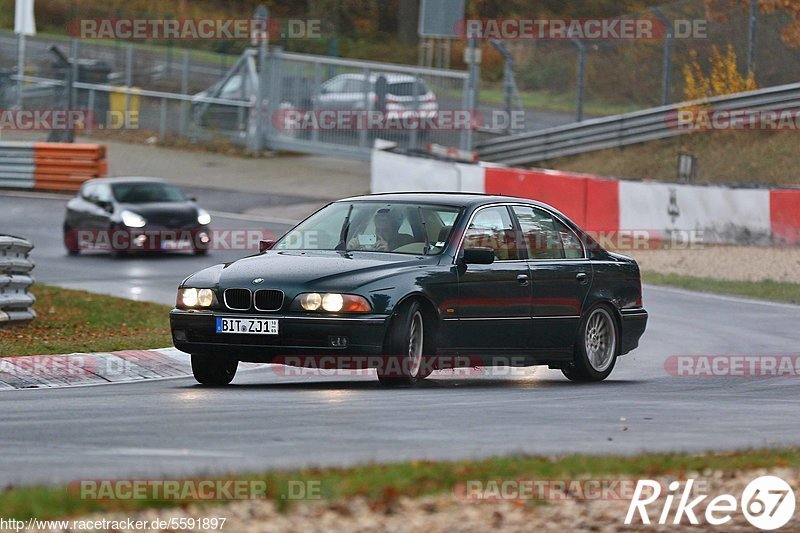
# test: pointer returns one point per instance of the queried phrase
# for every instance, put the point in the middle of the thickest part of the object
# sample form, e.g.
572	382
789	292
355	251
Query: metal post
362	134
317	84
581	78
184	90
20	68
162	122
666	63
473	86
412	141
262	13
92	114
128	80
73	60
751	45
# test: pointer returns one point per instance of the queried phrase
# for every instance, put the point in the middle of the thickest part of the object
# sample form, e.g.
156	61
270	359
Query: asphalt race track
175	427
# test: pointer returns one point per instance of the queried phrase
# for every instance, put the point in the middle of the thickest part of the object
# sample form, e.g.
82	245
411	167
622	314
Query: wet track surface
266	419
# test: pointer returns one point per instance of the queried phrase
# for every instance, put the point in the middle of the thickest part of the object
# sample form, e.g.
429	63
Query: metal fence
297	93
625	75
16	303
622	130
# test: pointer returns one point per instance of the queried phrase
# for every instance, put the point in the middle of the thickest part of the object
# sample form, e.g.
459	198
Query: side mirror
478	256
103	204
193	199
265	245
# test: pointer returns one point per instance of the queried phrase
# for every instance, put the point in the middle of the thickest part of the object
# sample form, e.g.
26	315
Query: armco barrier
50	166
15	280
723	214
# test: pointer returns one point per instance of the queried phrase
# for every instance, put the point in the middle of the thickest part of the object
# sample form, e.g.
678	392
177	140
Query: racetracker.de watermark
707	119
583	29
737	366
396	118
66	119
175	29
167	240
188	490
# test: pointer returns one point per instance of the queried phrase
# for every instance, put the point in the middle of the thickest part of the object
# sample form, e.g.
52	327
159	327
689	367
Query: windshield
144	193
403	228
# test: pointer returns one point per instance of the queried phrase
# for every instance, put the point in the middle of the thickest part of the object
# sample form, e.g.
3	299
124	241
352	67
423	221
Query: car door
493	306
561	276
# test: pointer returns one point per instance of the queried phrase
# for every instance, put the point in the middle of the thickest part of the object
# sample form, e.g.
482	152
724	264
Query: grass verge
777	291
381	484
745	157
77	321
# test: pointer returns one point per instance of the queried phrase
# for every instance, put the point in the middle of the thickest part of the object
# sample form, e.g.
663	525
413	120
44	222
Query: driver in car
386	236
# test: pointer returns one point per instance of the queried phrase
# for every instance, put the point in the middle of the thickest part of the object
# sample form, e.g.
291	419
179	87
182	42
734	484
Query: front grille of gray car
238	299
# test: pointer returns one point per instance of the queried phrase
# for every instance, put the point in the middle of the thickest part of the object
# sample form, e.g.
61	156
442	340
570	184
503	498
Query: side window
334	85
89	192
539	233
103	193
573	249
492	228
354	85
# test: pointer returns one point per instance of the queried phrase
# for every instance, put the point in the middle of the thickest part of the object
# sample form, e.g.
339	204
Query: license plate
171	244
248	326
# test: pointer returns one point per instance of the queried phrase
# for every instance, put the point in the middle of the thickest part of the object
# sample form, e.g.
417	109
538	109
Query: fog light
203	238
179	335
338	342
140	240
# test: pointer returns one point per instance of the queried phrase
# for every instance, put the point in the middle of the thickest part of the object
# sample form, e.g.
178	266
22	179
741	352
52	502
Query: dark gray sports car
412	283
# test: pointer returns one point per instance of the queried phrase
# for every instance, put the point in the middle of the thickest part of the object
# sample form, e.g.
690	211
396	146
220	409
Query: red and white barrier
722	214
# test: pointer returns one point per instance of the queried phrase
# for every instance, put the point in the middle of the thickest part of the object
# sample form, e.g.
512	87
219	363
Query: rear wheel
213	370
597	347
405	348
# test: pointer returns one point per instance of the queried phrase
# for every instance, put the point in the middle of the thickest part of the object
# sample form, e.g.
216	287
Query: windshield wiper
345	230
424	230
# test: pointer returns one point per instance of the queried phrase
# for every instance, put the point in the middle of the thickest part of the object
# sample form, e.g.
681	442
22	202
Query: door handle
582	278
523	279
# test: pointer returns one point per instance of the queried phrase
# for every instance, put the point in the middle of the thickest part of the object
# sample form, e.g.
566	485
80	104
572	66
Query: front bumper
194	332
634	322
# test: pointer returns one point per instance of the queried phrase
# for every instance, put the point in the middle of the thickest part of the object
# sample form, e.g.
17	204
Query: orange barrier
65	166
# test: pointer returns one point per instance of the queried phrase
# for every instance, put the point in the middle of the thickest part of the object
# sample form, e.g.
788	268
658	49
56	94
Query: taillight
639	299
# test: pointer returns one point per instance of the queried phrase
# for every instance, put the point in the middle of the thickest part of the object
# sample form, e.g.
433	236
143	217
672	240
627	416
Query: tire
597	347
200	251
406	343
71	241
214	371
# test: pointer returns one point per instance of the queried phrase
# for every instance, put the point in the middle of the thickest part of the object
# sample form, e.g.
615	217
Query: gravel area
737	263
448	513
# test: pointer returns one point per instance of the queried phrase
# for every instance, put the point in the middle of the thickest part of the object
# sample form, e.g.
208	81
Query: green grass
560	103
777	291
382	484
77	321
744	157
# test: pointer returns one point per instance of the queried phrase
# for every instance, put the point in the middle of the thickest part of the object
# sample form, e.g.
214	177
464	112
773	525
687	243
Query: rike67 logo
768	503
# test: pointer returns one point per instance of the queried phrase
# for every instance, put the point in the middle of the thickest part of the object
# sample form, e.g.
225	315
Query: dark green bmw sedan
410	283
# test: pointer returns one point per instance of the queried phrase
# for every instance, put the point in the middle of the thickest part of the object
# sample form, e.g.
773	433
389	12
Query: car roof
390	78
127	179
456	199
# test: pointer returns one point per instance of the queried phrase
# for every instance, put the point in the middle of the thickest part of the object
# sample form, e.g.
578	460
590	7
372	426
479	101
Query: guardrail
15	279
626	129
50	166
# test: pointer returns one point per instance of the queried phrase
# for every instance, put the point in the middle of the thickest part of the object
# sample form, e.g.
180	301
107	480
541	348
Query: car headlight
203	217
195	298
132	220
332	303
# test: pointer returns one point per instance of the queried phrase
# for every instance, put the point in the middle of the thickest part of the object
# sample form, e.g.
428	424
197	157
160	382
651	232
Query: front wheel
597	347
213	370
405	348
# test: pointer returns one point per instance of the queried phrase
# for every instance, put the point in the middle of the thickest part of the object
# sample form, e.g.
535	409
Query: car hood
296	271
168	214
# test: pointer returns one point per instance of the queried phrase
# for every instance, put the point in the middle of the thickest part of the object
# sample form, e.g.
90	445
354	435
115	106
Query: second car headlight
203	217
195	297
332	302
132	220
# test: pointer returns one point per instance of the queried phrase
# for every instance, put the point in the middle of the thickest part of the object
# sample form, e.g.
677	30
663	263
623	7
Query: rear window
143	193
